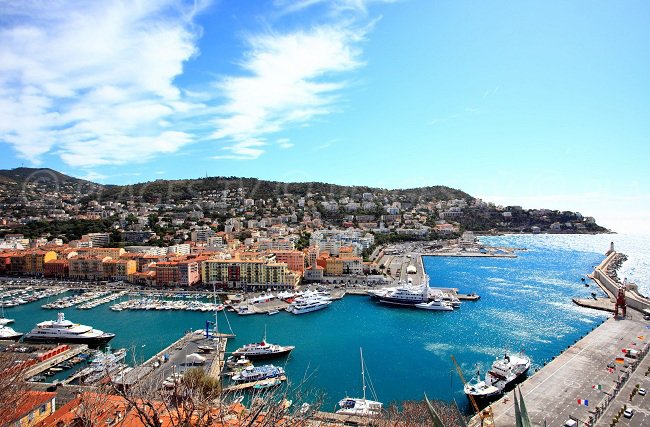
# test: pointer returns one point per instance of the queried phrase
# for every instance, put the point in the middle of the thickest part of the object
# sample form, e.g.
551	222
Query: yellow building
118	269
87	267
114	253
334	267
32	408
256	271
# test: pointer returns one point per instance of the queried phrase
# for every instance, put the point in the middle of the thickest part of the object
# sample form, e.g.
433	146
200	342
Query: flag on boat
583	402
597	387
641	337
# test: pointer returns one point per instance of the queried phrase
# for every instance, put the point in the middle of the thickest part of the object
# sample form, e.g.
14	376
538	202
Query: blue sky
535	103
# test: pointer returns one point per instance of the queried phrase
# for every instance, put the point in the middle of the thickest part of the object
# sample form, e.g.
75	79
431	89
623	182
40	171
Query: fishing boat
503	372
360	406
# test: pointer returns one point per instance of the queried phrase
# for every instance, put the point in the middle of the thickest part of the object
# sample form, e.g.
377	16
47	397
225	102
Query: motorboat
7	333
257	373
435	305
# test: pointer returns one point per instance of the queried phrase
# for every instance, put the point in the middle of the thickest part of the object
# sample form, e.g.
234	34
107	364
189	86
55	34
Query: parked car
642	392
629	413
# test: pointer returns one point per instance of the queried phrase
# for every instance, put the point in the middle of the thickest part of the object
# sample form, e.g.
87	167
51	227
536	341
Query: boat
503	372
263	350
3	320
267	384
7	333
272	312
405	294
308	305
360	406
435	305
257	373
62	330
105	363
237	363
480	389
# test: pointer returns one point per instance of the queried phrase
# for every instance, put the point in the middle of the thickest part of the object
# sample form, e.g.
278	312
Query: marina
555	324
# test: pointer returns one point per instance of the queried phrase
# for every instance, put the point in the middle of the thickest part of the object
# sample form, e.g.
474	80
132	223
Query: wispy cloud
94	81
289	78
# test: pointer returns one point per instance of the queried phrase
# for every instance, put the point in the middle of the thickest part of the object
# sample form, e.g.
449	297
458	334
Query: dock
342	419
43	366
603	304
174	358
551	394
245	386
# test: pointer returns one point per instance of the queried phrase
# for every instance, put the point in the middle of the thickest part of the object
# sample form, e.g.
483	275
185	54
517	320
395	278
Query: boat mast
363	375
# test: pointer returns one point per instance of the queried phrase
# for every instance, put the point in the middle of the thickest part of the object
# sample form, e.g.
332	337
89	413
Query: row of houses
233	269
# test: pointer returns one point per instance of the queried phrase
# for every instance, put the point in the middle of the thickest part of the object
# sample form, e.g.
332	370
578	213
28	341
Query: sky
531	103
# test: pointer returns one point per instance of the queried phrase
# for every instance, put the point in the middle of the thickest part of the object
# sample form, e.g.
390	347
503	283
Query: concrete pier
552	394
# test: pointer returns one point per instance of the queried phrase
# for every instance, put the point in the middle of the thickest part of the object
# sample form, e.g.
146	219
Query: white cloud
94	81
284	143
290	80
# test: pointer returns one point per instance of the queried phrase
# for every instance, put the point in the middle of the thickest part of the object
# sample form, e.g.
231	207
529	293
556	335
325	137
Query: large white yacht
404	295
308	305
62	330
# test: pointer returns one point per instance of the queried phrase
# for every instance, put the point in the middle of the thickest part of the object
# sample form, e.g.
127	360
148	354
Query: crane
486	417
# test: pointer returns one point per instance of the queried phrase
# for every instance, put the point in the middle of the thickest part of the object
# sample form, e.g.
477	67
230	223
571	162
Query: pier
48	363
551	394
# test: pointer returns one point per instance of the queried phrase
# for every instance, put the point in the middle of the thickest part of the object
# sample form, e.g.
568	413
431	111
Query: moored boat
360	406
62	330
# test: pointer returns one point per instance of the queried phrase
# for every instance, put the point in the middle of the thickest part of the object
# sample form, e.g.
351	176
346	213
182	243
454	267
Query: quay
342	419
551	394
175	358
72	351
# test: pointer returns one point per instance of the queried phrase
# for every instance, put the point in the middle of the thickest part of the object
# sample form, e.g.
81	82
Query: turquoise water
525	303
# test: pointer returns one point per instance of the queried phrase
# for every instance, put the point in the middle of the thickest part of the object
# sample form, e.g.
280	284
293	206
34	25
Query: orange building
295	260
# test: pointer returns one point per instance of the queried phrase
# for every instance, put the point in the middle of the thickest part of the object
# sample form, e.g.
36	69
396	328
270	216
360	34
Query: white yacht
7	333
62	330
435	305
263	350
308	305
360	406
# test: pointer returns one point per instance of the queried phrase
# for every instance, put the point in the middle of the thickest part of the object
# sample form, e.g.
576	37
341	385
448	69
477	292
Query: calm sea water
525	303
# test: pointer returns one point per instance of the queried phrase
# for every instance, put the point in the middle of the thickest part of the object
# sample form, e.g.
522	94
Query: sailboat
215	332
3	319
361	406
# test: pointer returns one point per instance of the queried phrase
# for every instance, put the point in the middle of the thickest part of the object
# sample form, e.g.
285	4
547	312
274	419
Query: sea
525	305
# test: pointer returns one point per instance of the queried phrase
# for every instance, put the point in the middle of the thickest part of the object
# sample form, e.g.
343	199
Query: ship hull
71	340
262	356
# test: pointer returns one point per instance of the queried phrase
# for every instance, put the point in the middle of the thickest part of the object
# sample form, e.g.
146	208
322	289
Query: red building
57	268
